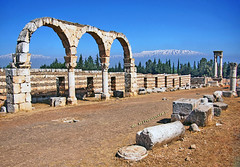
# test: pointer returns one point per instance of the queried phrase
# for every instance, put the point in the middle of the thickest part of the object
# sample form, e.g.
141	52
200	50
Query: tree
97	62
178	67
173	69
80	62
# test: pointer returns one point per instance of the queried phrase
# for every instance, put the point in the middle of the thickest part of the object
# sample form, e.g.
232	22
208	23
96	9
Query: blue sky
197	25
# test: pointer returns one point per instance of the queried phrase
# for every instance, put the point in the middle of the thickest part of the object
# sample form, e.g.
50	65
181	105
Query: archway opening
45	46
88	60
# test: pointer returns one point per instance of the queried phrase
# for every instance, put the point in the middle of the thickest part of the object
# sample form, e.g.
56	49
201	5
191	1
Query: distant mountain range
173	54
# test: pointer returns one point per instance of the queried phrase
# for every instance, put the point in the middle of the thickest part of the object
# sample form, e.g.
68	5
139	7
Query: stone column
220	72
215	66
71	62
216	54
105	94
233	77
130	77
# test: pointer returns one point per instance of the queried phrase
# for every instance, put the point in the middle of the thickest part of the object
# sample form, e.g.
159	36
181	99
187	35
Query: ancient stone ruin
18	78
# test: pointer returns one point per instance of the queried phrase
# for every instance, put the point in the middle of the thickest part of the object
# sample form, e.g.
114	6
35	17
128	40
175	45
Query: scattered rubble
194	128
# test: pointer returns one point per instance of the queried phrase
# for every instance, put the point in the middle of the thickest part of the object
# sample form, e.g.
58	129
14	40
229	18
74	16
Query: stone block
25	88
119	93
25	106
28	97
18	79
184	106
202	115
227	93
19	98
16	88
203	101
160	134
217	111
10	98
22	47
11	108
24	36
57	101
22	57
221	105
210	98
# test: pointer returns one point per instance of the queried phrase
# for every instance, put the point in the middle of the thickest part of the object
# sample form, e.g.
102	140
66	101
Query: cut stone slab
184	106
57	101
202	115
227	93
160	134
217	111
221	105
134	152
149	91
210	98
119	93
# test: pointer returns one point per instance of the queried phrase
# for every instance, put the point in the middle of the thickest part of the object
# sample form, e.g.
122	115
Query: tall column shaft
220	72
105	94
71	64
215	66
233	77
71	86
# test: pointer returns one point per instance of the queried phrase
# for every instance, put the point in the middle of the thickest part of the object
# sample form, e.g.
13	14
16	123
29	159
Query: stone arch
98	37
22	57
129	66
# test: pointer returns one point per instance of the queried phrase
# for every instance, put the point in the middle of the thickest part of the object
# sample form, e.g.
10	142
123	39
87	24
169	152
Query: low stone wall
47	82
200	80
162	80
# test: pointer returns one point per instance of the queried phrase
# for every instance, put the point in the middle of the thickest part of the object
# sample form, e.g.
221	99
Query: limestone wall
44	81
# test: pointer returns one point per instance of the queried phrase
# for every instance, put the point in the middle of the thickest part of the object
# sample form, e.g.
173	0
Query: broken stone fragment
160	134
202	115
134	152
194	128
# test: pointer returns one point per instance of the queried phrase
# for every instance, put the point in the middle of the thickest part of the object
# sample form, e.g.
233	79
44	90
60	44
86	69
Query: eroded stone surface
134	152
160	134
221	105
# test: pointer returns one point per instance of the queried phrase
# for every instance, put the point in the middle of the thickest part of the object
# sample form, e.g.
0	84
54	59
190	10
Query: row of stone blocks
199	111
18	90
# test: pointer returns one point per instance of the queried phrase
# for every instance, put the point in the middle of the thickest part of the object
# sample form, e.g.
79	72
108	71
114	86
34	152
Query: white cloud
6	56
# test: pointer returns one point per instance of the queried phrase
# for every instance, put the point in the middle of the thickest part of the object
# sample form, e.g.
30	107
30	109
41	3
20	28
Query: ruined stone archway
18	78
21	59
129	65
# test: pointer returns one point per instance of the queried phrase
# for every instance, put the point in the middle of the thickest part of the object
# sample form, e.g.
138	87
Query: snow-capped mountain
166	52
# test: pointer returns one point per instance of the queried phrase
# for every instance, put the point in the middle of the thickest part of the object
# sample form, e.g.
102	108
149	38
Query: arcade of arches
18	77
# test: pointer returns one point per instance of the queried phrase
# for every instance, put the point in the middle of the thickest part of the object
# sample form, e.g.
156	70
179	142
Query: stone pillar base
105	96
71	101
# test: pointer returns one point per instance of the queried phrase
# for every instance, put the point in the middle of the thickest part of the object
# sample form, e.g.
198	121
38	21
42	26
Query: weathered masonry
18	78
54	82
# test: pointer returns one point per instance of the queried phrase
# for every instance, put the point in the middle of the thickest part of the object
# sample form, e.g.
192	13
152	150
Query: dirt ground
42	138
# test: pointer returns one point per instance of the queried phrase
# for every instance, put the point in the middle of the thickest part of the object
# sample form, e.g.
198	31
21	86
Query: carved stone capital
105	66
70	61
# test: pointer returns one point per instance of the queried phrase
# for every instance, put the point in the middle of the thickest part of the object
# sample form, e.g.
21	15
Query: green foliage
203	67
54	65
